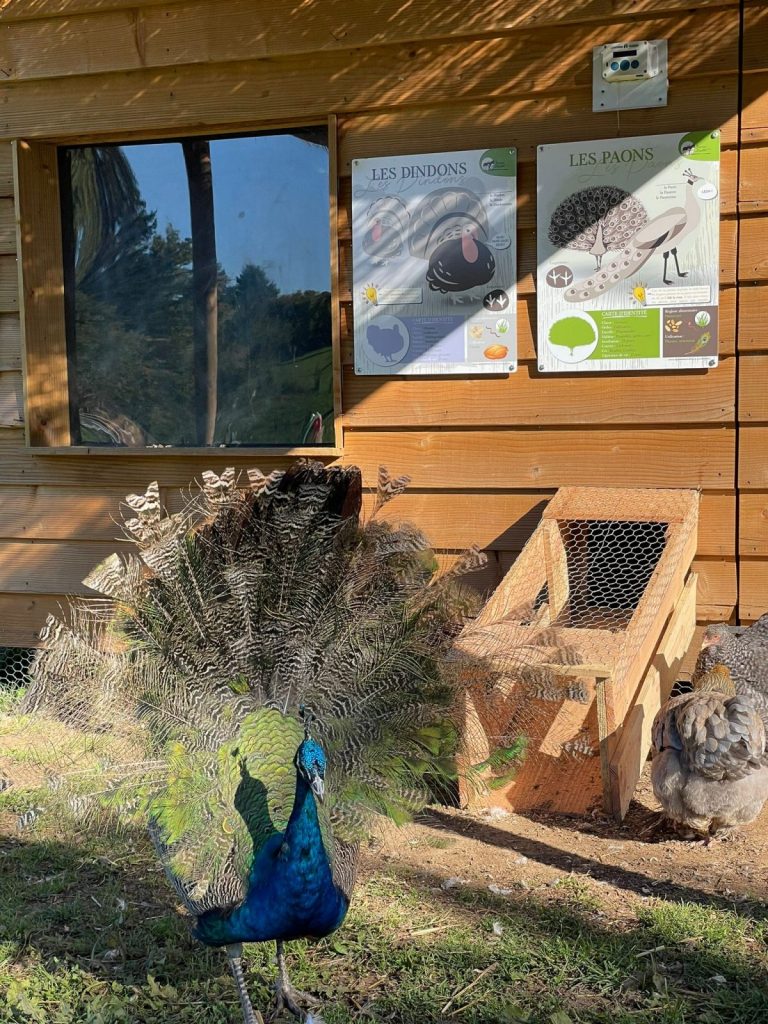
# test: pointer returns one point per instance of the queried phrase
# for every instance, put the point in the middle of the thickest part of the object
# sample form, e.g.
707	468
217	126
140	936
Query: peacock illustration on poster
628	260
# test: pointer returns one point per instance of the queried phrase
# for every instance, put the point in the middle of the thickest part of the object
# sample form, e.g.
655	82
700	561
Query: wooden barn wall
411	76
753	322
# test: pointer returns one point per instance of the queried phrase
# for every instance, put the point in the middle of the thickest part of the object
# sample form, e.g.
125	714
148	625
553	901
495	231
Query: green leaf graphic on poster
572	332
700	145
627	333
501	162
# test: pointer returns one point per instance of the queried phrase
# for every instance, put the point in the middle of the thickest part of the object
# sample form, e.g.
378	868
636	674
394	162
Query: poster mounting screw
541	366
712	362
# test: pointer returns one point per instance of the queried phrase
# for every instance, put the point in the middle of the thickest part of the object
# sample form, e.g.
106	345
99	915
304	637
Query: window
196	295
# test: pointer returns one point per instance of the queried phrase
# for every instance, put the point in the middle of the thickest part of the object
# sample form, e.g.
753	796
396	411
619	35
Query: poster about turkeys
433	250
628	253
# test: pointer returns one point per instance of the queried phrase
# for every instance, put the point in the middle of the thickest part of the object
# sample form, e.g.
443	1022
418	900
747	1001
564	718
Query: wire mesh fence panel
15	663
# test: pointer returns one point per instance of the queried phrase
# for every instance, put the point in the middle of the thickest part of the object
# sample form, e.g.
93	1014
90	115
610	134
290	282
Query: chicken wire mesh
15	663
601	572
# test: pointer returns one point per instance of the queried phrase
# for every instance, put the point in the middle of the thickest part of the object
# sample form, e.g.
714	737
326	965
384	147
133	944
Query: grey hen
710	760
745	655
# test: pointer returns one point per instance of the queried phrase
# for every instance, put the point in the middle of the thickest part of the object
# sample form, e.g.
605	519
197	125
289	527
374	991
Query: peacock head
310	759
690	177
310	763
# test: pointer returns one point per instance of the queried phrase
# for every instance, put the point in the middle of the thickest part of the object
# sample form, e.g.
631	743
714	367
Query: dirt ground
504	851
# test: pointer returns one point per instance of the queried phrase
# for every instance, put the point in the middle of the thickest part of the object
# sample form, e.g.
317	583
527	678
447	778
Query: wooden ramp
586	633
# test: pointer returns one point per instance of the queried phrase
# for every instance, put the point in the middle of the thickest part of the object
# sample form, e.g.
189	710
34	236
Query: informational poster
628	253
434	263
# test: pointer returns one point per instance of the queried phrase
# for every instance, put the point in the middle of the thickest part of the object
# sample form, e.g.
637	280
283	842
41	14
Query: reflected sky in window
264	215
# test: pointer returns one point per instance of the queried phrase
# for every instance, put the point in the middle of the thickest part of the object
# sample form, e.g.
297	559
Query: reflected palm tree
111	219
100	186
205	297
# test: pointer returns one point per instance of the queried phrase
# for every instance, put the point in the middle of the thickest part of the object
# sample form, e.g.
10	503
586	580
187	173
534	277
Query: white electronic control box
628	76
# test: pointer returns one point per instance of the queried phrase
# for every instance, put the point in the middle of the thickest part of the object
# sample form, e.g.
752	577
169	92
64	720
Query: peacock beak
318	788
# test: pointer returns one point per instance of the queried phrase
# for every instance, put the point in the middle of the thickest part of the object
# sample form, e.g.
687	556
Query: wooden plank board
23	615
42	269
528	397
546	11
526	327
755	101
23	10
625	504
7	226
50	566
753	173
753	464
753	524
526	259
504	522
635	741
11	399
755	56
753	595
9	284
752	333
6	169
60	513
527	123
753	255
130	469
717	587
753	388
10	342
221	96
519	459
238	30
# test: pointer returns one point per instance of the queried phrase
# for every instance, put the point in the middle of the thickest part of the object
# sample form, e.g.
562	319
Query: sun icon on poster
371	294
638	293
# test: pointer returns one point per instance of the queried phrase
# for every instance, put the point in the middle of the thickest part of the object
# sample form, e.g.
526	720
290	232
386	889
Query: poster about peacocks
434	263
628	253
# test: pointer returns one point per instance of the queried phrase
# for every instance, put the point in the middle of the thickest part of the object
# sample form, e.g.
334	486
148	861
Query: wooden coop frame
588	747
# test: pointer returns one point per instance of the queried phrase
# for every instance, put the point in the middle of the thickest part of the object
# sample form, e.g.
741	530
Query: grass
88	933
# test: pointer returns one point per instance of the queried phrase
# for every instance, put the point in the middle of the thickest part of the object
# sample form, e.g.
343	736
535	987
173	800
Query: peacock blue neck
291	891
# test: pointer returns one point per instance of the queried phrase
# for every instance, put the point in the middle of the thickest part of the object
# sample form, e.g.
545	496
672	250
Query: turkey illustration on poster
434	263
628	253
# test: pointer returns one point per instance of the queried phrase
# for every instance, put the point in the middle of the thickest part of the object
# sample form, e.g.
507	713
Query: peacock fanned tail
175	697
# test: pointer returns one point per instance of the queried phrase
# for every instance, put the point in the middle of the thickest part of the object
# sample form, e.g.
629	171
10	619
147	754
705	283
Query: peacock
264	677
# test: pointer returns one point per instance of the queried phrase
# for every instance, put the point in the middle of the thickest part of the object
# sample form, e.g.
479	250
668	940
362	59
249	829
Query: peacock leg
664	275
287	996
234	955
680	273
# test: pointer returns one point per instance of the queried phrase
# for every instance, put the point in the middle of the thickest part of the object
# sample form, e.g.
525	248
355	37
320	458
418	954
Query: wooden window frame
42	302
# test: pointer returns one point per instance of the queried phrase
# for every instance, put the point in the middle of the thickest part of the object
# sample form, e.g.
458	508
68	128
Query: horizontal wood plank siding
752	325
678	457
206	33
529	397
484	455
